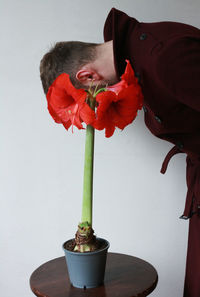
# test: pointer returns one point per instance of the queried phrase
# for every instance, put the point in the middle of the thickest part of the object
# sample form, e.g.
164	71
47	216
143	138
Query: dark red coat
166	58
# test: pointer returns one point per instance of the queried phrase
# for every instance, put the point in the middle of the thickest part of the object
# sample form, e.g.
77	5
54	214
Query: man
166	59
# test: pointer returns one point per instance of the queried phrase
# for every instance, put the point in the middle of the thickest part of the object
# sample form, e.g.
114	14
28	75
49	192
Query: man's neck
105	61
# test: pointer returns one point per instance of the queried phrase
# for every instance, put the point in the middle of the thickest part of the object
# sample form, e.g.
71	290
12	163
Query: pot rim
87	253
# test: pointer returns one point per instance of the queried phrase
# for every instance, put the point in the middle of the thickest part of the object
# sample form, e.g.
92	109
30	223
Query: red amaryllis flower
118	87
129	75
67	105
118	106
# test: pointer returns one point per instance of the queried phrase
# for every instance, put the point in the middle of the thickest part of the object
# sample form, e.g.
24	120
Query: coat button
179	144
158	119
144	108
143	36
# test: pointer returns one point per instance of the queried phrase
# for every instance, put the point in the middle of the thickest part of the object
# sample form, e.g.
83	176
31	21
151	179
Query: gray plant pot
86	270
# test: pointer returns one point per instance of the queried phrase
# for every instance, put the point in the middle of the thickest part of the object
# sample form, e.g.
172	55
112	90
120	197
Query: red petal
118	87
87	114
104	100
129	75
109	130
67	124
53	114
126	107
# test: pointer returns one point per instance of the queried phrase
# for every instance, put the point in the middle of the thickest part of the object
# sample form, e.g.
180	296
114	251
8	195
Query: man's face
108	81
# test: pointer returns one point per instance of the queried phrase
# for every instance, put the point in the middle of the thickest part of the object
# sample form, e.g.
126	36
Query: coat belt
192	204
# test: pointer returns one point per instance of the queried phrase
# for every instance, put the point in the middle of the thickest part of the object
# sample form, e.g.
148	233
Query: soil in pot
70	244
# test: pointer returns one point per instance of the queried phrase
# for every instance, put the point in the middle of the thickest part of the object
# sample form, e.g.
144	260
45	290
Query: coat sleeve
178	68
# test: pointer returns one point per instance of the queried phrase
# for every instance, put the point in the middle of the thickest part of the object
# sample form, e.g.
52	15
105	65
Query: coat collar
118	27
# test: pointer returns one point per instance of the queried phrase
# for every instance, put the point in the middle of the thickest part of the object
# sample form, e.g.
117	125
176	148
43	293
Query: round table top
125	276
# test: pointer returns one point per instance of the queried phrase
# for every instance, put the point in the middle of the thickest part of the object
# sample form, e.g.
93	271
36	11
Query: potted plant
105	108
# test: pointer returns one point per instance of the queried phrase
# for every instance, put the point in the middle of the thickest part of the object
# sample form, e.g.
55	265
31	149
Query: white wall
42	164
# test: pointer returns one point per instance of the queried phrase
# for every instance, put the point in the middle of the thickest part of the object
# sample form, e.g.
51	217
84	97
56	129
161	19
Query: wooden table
125	276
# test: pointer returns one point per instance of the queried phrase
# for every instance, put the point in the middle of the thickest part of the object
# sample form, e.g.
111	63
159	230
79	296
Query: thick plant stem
88	176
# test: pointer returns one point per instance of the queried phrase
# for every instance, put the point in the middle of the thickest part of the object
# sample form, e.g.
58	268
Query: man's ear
86	76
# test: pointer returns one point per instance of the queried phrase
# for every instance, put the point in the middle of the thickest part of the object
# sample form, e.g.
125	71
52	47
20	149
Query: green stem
99	91
88	176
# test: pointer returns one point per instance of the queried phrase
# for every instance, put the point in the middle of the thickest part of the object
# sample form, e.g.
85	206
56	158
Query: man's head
84	62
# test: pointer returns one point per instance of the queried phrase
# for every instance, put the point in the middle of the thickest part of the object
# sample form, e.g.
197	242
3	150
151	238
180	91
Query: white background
135	207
